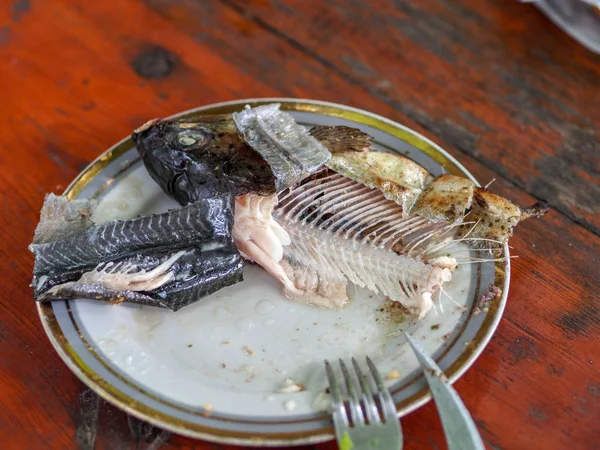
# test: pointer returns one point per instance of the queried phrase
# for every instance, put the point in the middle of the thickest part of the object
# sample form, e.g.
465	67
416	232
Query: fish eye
191	139
187	140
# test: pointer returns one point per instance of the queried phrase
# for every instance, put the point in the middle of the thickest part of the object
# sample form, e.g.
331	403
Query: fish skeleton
316	208
378	220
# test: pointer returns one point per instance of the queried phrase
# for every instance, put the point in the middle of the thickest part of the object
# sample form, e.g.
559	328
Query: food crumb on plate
225	342
392	375
290	386
290	405
207	409
248	351
322	401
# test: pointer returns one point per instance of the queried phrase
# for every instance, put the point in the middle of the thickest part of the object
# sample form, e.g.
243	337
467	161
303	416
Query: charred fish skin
167	260
209	272
341	138
209	220
192	160
194	274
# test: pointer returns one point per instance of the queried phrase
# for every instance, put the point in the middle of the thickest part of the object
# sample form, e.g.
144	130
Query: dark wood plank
494	80
80	76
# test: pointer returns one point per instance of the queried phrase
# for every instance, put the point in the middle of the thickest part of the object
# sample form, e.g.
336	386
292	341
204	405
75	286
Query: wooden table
495	83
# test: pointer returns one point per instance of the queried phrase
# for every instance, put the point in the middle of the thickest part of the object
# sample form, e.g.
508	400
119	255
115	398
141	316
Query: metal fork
363	423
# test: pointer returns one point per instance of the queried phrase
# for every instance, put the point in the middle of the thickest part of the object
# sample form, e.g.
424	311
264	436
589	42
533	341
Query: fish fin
341	138
60	218
537	210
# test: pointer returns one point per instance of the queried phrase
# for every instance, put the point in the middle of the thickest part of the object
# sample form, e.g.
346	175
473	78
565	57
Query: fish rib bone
120	276
401	278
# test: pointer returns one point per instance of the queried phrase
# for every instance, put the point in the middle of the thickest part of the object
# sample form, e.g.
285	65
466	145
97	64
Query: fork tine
355	409
388	408
338	410
367	395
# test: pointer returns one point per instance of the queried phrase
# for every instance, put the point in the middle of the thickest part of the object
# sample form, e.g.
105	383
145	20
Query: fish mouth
149	124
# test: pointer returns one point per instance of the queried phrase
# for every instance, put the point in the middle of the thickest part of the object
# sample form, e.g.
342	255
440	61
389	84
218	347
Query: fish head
195	159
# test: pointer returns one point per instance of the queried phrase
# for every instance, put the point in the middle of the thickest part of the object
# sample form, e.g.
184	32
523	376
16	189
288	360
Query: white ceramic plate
214	370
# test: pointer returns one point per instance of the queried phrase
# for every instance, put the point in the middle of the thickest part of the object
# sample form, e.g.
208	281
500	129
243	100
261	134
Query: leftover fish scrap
168	260
175	258
378	220
316	208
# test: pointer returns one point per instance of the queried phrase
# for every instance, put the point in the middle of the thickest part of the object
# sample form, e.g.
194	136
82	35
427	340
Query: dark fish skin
211	271
202	230
197	274
206	221
191	160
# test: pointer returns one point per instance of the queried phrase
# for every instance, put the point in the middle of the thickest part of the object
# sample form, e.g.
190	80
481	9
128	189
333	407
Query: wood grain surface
495	83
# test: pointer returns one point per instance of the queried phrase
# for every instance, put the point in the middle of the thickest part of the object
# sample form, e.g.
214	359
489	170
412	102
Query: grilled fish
167	260
316	209
175	258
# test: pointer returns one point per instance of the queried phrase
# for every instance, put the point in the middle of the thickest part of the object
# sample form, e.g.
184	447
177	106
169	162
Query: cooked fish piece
206	222
166	260
258	237
495	218
307	283
399	179
442	200
171	280
446	199
192	160
60	216
372	217
259	150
